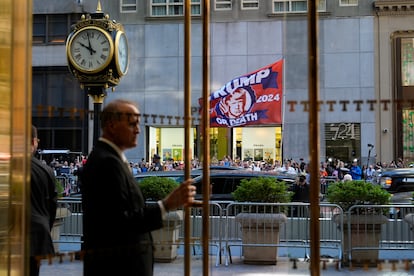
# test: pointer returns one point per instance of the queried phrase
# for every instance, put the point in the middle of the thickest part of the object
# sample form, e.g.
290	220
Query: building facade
359	56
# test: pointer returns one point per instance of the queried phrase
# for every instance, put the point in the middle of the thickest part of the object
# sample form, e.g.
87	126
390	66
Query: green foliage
59	187
357	192
262	189
157	188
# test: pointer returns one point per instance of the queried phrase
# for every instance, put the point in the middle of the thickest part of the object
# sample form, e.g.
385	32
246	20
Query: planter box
365	232
409	218
61	214
263	230
166	239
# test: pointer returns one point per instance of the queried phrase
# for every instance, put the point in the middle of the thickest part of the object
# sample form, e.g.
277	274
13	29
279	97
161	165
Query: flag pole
283	108
314	137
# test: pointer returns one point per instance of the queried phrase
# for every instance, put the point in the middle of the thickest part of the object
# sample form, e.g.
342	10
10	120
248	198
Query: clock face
90	50
121	56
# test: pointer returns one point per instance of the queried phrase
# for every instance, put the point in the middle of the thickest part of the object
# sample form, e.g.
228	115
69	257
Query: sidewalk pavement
283	267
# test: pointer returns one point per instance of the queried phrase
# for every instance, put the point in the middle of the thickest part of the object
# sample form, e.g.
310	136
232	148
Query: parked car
176	175
224	182
179	175
230	168
400	183
397	180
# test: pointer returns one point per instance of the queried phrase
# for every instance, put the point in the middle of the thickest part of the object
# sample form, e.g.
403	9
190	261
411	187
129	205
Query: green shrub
157	188
262	189
357	192
59	187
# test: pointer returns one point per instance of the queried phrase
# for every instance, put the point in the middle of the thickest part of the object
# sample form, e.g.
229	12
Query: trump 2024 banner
252	99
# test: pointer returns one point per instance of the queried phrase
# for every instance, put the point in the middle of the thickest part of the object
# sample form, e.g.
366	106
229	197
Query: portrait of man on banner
251	99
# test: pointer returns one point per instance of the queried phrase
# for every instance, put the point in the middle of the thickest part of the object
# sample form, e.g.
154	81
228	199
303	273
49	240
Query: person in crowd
143	167
322	170
355	171
300	194
226	161
156	163
117	222
301	189
340	170
287	168
369	173
302	166
256	166
400	163
43	199
347	177
134	168
277	166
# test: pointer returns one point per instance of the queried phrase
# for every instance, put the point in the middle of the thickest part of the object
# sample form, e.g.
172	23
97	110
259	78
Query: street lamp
97	54
370	147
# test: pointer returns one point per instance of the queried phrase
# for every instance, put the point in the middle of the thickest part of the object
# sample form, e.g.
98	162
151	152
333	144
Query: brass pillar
15	128
314	136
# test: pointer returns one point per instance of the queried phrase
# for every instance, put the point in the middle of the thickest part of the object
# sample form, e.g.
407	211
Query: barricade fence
171	236
377	233
68	227
259	227
249	229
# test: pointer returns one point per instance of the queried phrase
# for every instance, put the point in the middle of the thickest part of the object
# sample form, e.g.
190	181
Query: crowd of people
107	176
336	170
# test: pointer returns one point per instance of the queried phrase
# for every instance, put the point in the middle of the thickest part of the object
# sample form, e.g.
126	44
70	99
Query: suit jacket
116	222
43	199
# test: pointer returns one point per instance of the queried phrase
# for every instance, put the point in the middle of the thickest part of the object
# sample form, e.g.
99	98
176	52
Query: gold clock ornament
90	50
121	53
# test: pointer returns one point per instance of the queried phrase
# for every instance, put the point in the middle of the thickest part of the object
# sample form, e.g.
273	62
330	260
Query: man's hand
183	195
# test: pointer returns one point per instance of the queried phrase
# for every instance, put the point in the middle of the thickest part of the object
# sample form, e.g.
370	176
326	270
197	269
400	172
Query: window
348	2
173	7
58	108
128	6
295	6
53	28
407	61
249	4
222	5
404	76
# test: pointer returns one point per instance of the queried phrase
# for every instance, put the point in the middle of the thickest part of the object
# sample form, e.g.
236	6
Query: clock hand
91	50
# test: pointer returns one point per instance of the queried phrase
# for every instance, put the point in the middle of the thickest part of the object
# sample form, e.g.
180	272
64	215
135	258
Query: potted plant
59	188
409	216
266	224
61	214
155	188
361	226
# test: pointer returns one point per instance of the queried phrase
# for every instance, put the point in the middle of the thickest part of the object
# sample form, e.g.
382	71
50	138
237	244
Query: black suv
397	180
179	175
224	182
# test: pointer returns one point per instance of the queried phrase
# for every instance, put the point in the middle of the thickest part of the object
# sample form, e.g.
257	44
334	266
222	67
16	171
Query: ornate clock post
97	54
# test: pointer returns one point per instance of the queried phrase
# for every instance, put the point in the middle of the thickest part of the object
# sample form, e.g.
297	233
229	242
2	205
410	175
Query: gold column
314	136
15	123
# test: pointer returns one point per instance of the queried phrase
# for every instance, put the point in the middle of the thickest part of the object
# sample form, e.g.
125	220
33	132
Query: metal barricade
282	229
325	182
172	234
376	233
68	225
69	183
65	184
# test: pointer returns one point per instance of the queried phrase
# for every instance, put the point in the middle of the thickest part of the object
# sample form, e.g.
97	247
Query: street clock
97	55
121	53
97	51
90	50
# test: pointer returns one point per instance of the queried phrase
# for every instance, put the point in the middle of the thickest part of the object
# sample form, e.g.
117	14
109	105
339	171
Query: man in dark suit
117	224
43	198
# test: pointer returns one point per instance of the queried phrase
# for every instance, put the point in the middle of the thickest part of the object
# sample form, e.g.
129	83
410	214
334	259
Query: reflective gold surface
15	110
